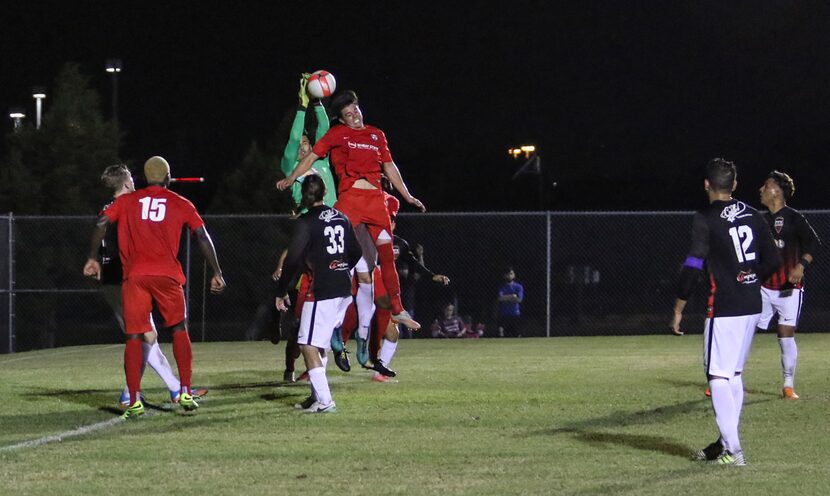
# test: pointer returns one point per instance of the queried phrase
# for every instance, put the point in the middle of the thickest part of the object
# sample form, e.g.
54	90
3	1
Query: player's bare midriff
363	184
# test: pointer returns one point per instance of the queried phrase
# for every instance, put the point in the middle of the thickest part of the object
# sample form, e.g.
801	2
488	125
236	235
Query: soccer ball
321	84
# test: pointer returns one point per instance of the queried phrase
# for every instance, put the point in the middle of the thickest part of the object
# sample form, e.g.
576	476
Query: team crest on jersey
329	215
778	224
747	277
374	136
735	211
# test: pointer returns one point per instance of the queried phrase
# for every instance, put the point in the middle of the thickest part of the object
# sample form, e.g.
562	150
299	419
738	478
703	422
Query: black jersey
794	237
737	246
111	269
323	244
403	253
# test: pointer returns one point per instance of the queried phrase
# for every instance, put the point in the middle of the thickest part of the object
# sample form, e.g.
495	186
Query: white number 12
742	239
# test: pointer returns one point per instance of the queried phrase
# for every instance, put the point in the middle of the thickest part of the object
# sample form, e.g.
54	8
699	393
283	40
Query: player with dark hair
783	292
733	244
299	145
118	179
324	245
150	222
360	154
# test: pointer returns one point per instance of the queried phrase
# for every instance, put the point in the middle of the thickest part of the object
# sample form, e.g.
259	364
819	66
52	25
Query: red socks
389	273
133	358
184	357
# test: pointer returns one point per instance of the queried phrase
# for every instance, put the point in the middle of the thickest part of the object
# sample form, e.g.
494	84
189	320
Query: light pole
17	114
114	67
39	94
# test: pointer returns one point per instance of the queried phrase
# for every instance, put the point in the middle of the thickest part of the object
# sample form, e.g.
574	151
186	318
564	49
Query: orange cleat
303	376
380	378
788	394
708	392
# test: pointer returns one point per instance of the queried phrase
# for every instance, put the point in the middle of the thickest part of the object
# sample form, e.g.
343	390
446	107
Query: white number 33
336	236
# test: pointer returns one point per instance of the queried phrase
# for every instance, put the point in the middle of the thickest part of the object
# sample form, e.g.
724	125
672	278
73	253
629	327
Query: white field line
56	352
80	431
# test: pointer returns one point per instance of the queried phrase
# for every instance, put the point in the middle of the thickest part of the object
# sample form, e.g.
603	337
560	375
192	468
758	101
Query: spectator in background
511	296
449	325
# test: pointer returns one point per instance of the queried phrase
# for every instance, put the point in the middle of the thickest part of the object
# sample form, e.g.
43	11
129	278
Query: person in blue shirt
511	295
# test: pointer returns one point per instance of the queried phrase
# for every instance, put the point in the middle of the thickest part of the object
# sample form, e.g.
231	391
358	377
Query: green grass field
599	415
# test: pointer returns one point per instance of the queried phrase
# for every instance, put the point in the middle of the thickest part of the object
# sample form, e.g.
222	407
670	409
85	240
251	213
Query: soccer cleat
362	351
406	319
788	394
378	377
379	367
337	344
306	403
708	392
342	360
125	398
134	411
188	402
318	407
288	376
727	459
710	452
303	376
195	392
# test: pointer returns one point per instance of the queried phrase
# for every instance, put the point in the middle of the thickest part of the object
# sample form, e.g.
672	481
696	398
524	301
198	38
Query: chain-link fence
608	273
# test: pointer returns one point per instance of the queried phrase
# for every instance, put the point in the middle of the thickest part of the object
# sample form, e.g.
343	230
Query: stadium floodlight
17	114
39	94
114	67
526	150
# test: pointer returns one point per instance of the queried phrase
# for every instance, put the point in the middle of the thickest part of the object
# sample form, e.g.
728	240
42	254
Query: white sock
158	362
387	351
736	384
789	356
725	414
317	376
365	301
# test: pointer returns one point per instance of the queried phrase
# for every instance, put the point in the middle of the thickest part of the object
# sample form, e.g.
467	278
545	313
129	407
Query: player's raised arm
301	169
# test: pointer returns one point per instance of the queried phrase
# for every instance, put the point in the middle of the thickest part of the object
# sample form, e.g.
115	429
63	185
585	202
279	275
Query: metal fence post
548	278
11	283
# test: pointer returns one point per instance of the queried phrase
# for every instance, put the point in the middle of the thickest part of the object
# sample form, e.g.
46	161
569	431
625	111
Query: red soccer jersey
355	154
150	223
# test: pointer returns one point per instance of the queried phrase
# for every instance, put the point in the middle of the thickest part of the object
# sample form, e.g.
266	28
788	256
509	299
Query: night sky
626	101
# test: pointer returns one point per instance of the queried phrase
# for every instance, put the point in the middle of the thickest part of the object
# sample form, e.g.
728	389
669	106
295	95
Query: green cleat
134	411
188	402
728	459
362	351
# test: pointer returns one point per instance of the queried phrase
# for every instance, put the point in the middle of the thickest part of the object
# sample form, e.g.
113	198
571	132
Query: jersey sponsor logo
747	277
338	265
329	215
363	146
735	211
778	224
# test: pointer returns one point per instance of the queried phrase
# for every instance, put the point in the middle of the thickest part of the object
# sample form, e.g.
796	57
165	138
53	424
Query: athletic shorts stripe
311	325
708	351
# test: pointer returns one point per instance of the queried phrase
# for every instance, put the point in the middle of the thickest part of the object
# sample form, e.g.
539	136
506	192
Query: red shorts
365	206
139	293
